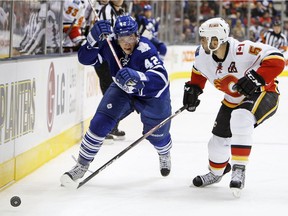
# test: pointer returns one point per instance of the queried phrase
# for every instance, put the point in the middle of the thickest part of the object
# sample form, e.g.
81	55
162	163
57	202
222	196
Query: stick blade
67	182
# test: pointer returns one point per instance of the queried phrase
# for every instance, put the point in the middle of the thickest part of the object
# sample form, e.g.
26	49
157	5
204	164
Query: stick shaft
108	163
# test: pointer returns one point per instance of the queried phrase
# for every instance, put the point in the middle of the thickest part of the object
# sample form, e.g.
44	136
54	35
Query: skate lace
238	175
79	168
165	161
210	178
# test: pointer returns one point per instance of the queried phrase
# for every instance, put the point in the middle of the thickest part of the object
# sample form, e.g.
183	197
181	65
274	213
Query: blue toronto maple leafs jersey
144	58
148	23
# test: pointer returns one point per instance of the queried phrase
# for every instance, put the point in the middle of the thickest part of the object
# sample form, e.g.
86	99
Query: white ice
133	186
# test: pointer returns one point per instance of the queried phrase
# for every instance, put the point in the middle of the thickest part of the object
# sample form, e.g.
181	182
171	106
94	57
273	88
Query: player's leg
252	112
105	79
113	106
218	150
153	111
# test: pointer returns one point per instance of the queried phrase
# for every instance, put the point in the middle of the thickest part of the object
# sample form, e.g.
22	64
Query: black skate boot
117	134
238	179
165	164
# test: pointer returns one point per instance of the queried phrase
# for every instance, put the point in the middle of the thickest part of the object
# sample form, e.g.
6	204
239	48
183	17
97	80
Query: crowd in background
36	26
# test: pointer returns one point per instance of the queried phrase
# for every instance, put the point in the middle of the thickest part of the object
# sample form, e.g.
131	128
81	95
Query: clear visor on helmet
130	39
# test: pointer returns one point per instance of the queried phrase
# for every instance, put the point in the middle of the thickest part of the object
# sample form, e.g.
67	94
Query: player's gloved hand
190	98
98	32
248	84
130	81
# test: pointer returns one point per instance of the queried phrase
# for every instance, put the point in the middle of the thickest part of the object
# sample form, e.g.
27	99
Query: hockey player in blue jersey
148	27
141	84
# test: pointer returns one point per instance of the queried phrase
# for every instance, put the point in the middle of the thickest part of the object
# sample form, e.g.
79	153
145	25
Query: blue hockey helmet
147	7
125	25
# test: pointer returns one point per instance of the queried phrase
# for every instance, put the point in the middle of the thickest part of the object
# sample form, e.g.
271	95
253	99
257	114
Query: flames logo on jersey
219	68
225	84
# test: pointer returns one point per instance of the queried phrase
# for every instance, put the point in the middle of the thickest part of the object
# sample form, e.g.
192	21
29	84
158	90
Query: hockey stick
107	39
88	178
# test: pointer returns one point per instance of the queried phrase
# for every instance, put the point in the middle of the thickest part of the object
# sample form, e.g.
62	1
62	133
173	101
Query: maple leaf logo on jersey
143	47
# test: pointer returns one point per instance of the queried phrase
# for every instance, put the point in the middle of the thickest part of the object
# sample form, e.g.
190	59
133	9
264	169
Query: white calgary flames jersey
74	9
223	74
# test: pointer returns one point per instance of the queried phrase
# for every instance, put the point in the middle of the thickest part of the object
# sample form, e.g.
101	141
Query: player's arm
150	79
270	67
149	83
192	90
88	52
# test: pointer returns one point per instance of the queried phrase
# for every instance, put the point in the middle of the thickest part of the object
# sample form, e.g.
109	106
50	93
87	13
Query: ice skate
209	178
108	139
165	164
238	179
117	134
68	178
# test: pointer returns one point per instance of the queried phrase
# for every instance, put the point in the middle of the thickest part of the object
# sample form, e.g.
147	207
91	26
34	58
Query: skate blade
236	192
67	182
108	141
118	137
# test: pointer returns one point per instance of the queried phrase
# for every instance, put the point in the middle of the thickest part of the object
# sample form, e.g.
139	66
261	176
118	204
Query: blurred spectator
4	16
238	31
285	29
259	10
206	10
33	41
271	10
274	37
265	18
190	10
255	30
188	31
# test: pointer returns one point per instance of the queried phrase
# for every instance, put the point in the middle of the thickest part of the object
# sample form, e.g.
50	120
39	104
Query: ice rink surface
133	186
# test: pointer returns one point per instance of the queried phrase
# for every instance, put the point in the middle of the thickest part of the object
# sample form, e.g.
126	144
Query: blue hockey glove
248	84
98	32
190	98
130	81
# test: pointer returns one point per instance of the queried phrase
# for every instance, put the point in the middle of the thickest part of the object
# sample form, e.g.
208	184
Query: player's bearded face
128	43
213	44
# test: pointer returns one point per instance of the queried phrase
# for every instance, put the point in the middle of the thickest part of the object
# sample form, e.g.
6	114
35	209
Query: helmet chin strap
209	42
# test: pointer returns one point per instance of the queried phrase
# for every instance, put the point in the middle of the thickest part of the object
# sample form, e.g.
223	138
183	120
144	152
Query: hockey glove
130	81
190	99
98	32
248	84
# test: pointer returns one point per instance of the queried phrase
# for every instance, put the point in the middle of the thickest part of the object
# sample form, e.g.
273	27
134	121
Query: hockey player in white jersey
73	21
246	73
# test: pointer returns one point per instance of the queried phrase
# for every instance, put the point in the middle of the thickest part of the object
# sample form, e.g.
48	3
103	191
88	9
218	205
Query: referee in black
109	12
274	37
